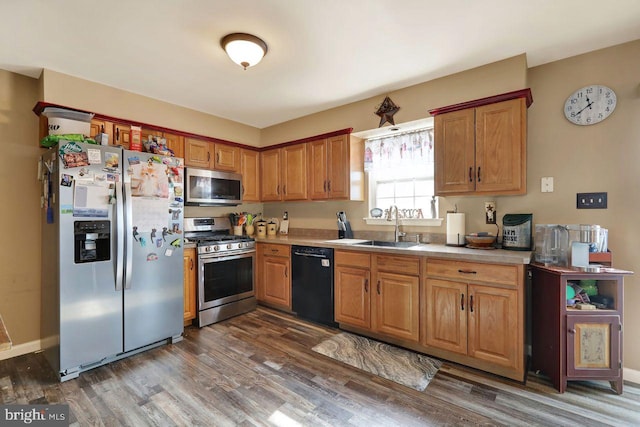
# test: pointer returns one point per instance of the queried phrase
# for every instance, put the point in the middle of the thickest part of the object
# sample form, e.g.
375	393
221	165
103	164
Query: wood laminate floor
259	369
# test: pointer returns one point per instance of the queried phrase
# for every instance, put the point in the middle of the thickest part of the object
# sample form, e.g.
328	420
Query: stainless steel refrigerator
112	261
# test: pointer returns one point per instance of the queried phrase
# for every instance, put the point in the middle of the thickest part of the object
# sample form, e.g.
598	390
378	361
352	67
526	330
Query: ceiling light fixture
245	50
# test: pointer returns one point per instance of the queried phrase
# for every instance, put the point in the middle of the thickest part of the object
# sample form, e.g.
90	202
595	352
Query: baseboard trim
631	375
20	349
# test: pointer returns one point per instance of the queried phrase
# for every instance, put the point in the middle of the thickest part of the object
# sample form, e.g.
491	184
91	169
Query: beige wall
97	98
19	189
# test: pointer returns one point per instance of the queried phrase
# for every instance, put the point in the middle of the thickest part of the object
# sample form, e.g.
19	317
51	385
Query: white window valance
404	151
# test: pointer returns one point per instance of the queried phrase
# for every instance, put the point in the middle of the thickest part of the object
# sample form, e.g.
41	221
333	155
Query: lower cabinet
274	275
189	283
474	315
381	285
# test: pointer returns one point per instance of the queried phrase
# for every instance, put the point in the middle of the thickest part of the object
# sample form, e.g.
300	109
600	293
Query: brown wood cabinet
274	275
209	155
474	314
332	163
270	166
190	269
482	150
352	288
250	171
571	344
294	172
119	134
388	304
284	173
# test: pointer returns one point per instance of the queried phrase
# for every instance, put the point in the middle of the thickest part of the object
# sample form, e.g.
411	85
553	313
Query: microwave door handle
129	236
119	237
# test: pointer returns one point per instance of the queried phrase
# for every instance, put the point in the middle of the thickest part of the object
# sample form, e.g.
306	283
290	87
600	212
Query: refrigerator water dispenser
92	240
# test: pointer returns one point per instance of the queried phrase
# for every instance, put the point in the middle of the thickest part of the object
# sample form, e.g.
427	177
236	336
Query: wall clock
590	105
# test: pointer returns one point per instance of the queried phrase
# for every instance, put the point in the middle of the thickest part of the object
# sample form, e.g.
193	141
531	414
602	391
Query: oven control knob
207	249
229	246
216	248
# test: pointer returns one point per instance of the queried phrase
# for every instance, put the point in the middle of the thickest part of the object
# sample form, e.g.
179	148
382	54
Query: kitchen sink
389	243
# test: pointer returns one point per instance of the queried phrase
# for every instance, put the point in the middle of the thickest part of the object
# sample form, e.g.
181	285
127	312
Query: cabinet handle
117	134
329	186
471	303
461	302
278	189
242	189
470	174
572	331
479	174
325	186
285	274
218	157
284	189
208	156
191	264
366	285
467	272
378	287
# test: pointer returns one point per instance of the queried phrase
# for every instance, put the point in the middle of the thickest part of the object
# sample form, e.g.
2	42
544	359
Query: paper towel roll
455	229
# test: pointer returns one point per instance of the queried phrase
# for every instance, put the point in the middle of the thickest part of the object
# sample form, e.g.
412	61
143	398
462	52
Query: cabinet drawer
509	275
398	264
353	259
275	250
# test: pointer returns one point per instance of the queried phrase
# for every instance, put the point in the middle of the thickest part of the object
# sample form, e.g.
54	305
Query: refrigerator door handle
119	238
129	236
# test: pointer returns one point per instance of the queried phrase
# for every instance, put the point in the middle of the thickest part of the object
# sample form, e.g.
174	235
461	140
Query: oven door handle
309	255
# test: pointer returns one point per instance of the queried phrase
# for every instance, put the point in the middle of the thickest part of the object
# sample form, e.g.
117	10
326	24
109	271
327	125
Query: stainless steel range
226	265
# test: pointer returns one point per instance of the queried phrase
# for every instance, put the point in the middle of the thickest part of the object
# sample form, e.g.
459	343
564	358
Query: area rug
396	364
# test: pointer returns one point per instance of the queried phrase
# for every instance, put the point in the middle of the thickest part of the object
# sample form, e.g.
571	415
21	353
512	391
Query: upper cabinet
481	146
119	134
250	168
329	176
209	155
284	173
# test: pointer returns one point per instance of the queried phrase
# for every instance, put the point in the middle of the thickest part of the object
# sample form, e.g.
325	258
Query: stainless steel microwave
212	188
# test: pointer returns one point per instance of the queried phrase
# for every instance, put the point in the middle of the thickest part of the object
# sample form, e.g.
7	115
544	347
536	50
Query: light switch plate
546	184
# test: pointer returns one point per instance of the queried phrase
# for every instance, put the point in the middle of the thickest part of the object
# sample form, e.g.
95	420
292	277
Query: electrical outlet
591	201
490	212
546	184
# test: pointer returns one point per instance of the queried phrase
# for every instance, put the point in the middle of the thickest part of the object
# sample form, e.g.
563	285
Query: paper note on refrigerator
91	199
149	213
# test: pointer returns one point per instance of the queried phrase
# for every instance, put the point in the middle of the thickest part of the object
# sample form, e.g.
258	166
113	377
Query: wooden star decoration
386	110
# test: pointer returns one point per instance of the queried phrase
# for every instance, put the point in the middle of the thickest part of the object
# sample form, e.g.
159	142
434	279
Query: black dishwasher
312	284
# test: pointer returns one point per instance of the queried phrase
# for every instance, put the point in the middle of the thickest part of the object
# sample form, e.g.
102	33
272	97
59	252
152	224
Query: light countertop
499	256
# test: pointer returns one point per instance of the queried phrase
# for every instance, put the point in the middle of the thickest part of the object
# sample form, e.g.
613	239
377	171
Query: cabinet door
175	143
294	172
494	329
276	281
501	147
593	346
249	168
454	152
98	126
270	173
338	167
446	315
397	305
227	158
318	169
353	296
197	153
121	135
189	284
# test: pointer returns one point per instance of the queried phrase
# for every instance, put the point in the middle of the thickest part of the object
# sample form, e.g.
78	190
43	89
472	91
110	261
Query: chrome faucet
397	234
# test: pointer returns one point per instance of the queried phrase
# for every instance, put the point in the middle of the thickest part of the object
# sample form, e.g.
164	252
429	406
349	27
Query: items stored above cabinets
480	146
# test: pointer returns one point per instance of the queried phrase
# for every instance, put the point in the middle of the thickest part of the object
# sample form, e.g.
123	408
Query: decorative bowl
480	241
376	213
